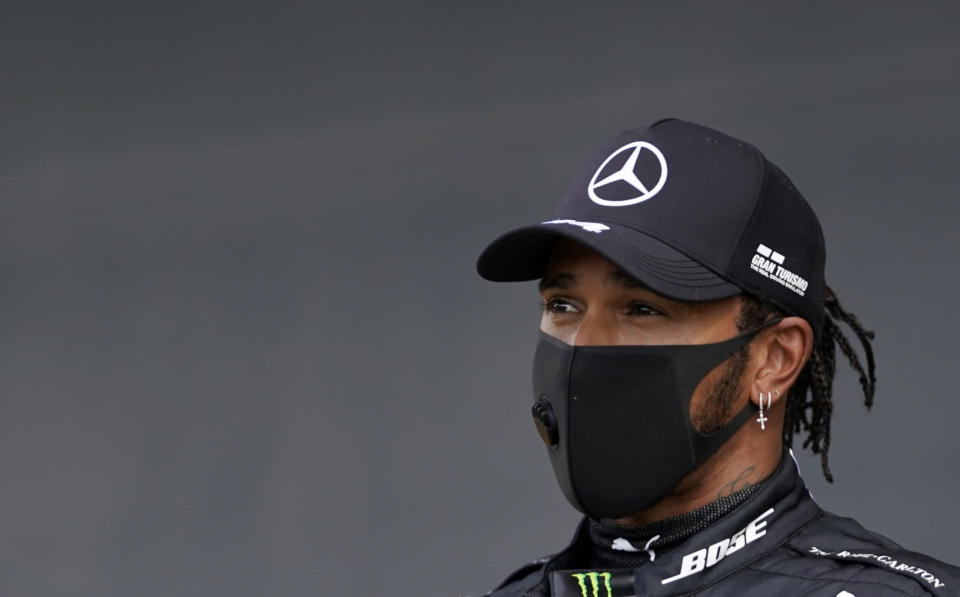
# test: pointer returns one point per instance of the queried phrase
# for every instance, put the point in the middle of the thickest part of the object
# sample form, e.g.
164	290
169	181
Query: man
687	334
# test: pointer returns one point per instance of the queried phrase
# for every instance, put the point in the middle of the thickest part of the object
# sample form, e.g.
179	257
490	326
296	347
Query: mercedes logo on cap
627	174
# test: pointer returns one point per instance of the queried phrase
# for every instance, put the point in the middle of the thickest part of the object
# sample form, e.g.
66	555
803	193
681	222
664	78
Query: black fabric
777	541
522	255
615	406
663	534
690	212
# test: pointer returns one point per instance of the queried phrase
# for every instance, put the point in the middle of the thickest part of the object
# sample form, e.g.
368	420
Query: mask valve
546	422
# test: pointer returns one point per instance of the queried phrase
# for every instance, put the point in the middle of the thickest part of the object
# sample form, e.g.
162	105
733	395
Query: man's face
589	301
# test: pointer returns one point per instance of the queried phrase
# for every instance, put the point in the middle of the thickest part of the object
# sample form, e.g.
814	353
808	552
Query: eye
558	304
642	309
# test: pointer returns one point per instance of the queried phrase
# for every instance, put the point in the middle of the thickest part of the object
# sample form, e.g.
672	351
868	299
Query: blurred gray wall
244	348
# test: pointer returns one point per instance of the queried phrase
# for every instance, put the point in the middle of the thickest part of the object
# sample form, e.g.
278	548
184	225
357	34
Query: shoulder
840	551
528	580
521	580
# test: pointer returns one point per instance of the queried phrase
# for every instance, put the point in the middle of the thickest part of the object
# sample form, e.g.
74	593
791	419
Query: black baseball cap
690	212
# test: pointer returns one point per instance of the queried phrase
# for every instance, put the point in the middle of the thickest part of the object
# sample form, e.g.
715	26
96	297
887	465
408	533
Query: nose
595	330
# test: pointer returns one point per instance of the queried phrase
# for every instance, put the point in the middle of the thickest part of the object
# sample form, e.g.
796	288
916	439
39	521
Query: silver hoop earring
762	419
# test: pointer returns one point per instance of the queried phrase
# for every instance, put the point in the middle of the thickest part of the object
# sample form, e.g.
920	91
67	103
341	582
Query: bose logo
708	557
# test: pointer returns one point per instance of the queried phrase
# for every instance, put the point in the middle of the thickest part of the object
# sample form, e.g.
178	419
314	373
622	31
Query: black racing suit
776	543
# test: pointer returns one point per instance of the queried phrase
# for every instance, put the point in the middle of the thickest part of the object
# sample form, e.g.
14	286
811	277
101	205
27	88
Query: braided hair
809	400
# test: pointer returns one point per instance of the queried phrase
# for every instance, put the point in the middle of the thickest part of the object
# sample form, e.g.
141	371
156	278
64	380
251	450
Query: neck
616	546
749	457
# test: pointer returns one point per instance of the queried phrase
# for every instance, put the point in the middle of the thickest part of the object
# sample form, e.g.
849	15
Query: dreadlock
809	400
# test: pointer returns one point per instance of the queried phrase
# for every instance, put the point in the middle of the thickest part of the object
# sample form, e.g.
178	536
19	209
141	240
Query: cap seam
687	283
679	246
751	288
738	250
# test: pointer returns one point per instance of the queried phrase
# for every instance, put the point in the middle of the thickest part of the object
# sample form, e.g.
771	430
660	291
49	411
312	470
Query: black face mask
616	419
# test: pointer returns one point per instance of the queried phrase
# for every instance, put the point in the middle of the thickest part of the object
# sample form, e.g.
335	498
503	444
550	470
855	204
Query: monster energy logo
594	578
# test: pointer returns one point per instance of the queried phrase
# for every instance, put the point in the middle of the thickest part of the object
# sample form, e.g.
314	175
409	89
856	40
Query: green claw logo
594	583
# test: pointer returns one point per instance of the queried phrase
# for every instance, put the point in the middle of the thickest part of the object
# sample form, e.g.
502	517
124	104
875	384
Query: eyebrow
626	280
564	280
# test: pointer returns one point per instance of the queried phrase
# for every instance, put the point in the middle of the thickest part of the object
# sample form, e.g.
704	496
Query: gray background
244	348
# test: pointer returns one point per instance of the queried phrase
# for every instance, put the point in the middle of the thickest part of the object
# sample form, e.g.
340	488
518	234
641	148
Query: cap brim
522	254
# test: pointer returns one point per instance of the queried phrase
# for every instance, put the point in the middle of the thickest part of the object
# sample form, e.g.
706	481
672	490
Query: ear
780	354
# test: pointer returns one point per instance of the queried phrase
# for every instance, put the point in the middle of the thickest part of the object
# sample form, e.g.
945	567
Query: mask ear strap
770	322
696	365
706	445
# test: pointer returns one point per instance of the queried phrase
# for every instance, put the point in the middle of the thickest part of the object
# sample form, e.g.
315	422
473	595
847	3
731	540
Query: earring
763	420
